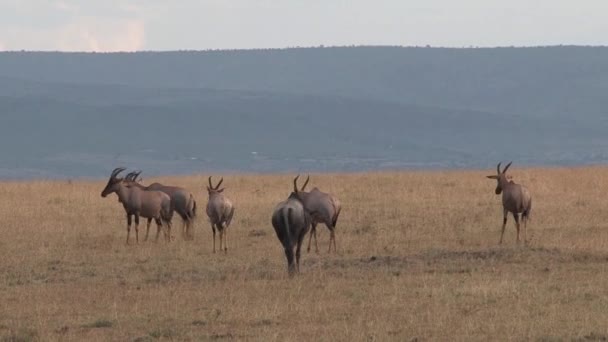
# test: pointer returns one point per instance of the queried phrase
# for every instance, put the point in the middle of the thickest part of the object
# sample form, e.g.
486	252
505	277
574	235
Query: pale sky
120	25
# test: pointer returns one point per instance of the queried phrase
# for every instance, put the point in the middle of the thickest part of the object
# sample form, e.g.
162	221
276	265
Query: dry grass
418	259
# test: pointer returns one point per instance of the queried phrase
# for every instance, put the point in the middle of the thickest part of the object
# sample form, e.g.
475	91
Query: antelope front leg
168	237
148	229
159	225
213	228
525	222
136	228
225	240
221	236
313	230
504	225
128	227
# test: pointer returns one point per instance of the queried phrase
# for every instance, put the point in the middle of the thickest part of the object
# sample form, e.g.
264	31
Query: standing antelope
323	208
220	211
137	202
516	199
182	201
132	180
291	222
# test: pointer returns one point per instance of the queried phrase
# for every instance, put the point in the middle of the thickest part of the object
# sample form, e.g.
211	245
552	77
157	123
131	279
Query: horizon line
321	46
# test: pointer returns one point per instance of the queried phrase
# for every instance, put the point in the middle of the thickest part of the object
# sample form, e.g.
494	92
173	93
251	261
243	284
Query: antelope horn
498	168
295	183
117	171
210	185
305	183
218	184
132	176
506	167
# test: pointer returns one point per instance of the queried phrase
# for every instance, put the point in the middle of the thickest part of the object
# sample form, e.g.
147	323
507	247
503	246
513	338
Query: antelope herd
292	218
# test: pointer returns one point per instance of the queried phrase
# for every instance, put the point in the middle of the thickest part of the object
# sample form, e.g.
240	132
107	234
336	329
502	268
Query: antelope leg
504	224
128	227
516	217
148	229
136	228
213	228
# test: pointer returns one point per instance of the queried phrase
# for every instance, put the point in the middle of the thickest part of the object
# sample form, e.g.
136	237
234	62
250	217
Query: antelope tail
286	215
229	217
335	220
193	213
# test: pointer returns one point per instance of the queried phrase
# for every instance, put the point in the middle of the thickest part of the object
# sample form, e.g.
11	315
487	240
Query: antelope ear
493	177
221	190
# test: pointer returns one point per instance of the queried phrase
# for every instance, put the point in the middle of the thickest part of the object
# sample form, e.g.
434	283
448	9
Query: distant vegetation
357	108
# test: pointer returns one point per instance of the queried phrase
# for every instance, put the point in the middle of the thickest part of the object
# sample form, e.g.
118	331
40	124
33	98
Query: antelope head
215	189
501	178
113	182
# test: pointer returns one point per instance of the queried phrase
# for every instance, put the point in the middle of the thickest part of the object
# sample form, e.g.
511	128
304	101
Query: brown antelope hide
220	211
322	208
137	202
291	222
516	200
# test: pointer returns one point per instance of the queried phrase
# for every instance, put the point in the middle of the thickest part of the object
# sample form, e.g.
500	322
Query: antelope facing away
322	208
291	222
516	199
182	201
137	202
220	211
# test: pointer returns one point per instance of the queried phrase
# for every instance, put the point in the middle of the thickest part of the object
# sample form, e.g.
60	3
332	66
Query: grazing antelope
220	211
182	201
291	222
323	208
516	199
137	202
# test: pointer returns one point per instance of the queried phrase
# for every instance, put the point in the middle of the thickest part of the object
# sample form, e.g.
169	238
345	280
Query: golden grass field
418	259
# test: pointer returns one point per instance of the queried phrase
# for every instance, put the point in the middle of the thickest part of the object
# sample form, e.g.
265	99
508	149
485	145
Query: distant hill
318	109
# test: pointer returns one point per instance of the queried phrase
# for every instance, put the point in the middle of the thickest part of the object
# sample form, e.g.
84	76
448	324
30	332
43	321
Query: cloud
91	34
66	25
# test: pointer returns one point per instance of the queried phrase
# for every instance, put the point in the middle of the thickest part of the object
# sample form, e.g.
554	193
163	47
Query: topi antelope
137	202
132	179
516	199
323	208
220	211
291	222
182	201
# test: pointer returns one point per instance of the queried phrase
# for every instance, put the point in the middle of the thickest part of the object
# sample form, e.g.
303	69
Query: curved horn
116	171
210	185
220	183
305	183
132	176
137	175
295	183
498	168
506	167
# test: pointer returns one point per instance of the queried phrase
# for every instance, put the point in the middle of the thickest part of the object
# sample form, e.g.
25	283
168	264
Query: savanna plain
418	259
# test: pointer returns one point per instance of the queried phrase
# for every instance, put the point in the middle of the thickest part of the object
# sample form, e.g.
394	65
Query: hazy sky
111	25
